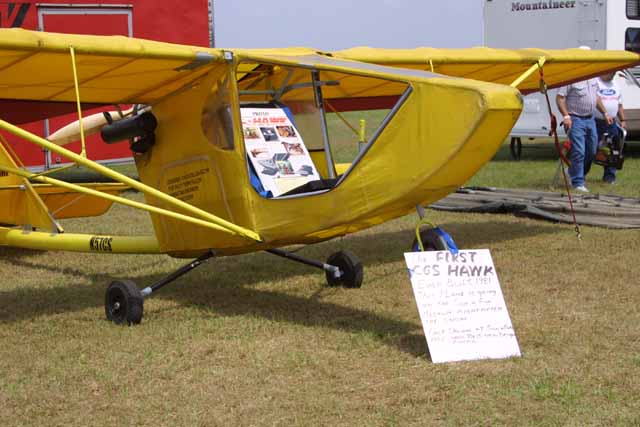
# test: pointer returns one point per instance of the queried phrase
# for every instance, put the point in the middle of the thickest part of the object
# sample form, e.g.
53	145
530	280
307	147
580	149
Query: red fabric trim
364	103
20	112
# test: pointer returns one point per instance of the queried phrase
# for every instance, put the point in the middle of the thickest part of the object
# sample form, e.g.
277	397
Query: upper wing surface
37	66
501	66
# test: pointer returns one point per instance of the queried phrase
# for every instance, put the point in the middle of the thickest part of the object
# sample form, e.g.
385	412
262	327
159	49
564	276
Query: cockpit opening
304	129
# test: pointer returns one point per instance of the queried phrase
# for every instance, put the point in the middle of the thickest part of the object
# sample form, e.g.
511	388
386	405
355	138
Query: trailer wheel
516	148
123	303
350	267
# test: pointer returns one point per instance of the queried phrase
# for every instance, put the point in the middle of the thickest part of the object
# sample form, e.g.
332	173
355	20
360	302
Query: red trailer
186	22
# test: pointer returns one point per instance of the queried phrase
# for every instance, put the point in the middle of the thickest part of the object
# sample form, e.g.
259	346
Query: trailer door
96	20
592	24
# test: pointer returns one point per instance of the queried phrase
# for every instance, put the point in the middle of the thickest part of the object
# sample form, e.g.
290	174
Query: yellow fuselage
442	134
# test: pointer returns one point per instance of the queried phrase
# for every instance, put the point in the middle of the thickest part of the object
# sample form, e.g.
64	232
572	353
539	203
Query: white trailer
561	24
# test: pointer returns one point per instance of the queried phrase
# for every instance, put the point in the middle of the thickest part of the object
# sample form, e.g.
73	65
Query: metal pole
298	258
288	255
362	140
317	89
47	153
176	274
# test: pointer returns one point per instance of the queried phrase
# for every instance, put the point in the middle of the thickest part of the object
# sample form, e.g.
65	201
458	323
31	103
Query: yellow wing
111	69
502	66
116	69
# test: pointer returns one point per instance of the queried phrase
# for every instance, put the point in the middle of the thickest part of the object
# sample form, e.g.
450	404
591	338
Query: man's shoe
581	188
610	181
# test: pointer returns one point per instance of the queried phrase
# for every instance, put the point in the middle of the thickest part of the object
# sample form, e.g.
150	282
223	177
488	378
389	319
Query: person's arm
600	107
562	106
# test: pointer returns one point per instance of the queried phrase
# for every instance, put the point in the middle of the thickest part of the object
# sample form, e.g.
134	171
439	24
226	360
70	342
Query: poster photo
276	150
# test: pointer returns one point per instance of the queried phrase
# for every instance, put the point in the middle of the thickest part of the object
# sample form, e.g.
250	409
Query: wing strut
204	218
83	152
117	199
35	139
83	145
537	66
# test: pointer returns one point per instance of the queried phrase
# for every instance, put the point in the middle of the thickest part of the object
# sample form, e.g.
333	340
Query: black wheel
350	267
431	241
123	303
516	148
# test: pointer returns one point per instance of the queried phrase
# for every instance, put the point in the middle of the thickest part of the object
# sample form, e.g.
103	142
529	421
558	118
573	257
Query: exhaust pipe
138	129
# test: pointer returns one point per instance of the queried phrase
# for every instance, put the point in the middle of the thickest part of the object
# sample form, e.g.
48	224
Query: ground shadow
234	293
7	252
221	300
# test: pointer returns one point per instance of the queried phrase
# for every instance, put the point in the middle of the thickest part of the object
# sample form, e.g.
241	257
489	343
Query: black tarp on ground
599	210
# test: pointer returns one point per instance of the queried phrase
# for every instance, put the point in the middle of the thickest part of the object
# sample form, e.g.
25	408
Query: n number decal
12	14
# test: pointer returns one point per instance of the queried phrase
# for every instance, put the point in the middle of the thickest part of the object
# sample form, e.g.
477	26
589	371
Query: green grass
538	165
257	340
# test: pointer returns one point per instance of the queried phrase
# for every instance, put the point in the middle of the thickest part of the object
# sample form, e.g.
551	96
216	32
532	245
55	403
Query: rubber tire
431	241
131	302
351	268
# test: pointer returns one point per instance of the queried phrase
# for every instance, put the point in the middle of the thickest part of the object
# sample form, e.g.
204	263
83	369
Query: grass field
257	340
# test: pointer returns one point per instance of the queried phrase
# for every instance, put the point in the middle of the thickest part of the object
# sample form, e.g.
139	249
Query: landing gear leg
124	302
342	268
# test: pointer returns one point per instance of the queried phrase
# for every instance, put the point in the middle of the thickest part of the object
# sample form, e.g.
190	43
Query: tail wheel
350	267
123	303
431	241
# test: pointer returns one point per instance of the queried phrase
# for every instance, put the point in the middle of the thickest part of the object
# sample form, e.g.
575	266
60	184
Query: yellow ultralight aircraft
232	146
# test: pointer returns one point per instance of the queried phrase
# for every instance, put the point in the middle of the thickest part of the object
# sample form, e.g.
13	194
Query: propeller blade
92	124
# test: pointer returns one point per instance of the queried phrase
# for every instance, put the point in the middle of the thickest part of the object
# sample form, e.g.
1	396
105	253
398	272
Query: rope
563	159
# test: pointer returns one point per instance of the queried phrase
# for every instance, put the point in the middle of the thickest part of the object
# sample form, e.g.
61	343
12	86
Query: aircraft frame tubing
146	292
313	263
96	167
103	244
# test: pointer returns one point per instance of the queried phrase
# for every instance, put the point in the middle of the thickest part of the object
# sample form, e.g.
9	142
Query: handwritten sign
461	306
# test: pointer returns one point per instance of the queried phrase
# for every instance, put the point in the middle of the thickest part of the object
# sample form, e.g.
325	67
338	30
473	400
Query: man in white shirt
577	102
611	98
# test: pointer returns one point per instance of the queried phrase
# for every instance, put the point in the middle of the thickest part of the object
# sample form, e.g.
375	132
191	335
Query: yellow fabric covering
499	65
420	155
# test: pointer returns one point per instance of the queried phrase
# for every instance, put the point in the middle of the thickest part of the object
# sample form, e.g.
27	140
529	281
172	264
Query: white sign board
461	306
276	150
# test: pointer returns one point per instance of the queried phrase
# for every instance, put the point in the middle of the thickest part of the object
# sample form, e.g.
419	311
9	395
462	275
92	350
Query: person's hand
608	118
623	124
566	122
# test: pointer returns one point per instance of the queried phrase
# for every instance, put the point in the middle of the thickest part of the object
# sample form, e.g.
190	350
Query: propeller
92	124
